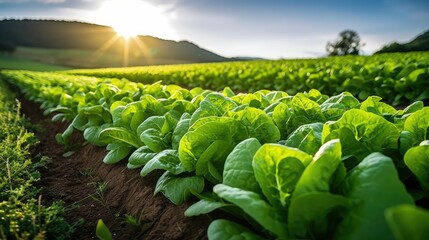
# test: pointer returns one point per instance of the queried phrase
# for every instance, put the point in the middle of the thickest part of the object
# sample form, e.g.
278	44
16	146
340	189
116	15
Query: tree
347	44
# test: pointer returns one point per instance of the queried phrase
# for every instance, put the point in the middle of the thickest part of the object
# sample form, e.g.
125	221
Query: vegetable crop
303	166
398	78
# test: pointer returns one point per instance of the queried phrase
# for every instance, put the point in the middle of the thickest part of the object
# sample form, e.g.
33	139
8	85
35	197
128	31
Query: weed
133	220
87	172
98	196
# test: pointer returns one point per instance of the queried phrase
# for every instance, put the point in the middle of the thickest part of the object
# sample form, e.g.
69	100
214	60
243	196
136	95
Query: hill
420	43
102	42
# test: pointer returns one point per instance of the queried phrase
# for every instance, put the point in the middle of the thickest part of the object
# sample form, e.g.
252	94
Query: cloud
51	1
33	1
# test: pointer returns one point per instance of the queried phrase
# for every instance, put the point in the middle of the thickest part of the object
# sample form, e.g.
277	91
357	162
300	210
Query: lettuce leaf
277	169
374	186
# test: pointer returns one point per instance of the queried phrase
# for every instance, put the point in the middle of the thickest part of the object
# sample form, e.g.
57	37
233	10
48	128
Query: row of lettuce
22	215
396	77
306	166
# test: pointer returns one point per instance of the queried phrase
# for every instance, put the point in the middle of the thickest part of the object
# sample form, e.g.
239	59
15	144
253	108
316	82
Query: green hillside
105	47
420	43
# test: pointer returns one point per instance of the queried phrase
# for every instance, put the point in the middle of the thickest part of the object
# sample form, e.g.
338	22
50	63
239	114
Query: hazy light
133	17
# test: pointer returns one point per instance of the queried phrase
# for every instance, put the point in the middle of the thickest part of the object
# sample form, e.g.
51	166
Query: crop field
395	77
334	148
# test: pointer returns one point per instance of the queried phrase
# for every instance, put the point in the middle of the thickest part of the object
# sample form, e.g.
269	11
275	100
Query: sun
125	31
130	18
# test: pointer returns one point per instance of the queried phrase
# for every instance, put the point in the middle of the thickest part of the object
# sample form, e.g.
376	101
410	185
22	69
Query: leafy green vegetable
204	206
141	156
375	186
224	229
317	175
238	171
313	186
214	104
253	204
167	160
92	134
301	110
307	138
136	112
372	104
178	189
277	169
416	129
211	162
156	131
373	133
334	107
310	213
117	153
417	160
102	231
119	135
258	124
207	144
408	222
181	129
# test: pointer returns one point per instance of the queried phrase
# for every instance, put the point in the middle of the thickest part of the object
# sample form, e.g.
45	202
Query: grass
71	58
134	221
98	196
20	63
45	59
22	215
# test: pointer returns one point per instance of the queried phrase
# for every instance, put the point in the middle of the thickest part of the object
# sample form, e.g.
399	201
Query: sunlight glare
130	18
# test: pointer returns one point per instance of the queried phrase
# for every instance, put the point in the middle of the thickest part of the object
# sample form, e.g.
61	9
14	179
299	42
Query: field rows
264	157
397	78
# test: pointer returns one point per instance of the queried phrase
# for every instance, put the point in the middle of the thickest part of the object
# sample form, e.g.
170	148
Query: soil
75	180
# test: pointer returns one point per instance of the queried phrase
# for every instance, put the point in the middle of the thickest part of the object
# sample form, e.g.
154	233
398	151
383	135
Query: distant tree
347	44
7	47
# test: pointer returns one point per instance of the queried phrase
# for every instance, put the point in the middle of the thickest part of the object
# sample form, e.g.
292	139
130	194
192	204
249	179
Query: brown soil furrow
74	180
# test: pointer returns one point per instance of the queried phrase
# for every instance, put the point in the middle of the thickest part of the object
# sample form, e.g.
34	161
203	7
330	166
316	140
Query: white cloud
36	1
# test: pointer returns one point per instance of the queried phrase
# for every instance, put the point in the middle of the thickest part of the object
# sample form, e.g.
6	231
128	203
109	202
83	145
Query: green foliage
238	171
224	229
389	76
364	183
347	44
417	160
178	189
102	231
22	215
167	160
277	170
270	155
254	205
408	222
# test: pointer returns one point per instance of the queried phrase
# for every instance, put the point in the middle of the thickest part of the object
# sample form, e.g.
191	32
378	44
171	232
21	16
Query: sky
270	29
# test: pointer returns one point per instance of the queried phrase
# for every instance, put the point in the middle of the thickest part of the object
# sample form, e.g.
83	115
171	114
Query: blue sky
270	28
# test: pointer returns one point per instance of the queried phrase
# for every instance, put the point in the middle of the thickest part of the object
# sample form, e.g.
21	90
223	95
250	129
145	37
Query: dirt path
107	192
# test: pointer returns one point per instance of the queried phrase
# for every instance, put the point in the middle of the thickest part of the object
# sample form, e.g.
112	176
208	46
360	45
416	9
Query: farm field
333	148
396	77
22	63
